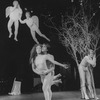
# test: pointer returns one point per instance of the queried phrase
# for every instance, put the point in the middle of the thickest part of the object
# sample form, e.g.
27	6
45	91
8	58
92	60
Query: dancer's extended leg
16	23
42	35
46	86
82	79
10	23
50	93
56	81
56	76
34	37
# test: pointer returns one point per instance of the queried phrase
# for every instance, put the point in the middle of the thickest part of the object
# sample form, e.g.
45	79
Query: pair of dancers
86	76
43	64
15	13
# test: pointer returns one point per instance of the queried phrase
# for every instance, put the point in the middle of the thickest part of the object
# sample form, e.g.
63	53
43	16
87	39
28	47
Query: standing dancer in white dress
33	23
39	66
14	13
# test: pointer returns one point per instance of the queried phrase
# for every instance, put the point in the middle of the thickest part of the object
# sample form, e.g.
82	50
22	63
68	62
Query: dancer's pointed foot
60	81
86	98
48	40
97	98
10	35
15	39
59	75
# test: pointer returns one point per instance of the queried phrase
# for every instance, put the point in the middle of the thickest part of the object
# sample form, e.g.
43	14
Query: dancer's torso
14	15
41	63
32	22
84	64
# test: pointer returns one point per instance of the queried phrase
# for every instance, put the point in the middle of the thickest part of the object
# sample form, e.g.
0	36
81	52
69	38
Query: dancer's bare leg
42	35
34	37
16	23
56	76
83	88
89	82
45	87
50	93
10	23
56	81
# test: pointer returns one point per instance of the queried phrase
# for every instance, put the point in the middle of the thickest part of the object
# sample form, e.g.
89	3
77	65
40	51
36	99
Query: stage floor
68	95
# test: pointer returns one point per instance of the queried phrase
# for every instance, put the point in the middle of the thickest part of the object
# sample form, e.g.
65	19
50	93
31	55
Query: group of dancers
42	62
15	13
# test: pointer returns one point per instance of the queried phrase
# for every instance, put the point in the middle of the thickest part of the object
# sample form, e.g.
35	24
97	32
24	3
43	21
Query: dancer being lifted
39	66
85	75
33	23
14	12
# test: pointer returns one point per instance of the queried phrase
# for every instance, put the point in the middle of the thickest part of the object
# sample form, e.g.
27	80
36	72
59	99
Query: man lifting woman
43	64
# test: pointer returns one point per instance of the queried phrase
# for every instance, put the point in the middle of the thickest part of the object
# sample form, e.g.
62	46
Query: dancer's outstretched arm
50	58
22	21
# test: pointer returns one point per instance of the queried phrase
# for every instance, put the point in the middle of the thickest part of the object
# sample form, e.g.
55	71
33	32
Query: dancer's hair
46	44
90	50
33	53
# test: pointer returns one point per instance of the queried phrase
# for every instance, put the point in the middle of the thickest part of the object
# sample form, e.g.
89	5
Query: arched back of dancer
33	23
14	13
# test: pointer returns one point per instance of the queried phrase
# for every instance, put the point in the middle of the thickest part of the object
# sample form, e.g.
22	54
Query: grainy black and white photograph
49	49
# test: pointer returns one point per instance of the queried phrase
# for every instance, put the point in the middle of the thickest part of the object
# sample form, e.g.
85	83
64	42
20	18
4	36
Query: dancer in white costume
85	76
14	13
39	66
33	23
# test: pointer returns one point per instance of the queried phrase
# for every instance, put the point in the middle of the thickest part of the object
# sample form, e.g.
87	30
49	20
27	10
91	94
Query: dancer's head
91	52
38	49
45	48
35	51
15	3
44	51
27	14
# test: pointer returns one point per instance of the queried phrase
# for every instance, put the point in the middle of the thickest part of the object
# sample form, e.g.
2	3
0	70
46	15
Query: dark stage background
14	56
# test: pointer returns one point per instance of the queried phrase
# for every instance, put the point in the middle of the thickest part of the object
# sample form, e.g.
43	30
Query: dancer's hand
48	39
66	66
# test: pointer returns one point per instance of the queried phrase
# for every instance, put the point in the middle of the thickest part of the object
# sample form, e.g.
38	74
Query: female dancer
33	24
85	76
39	66
14	14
